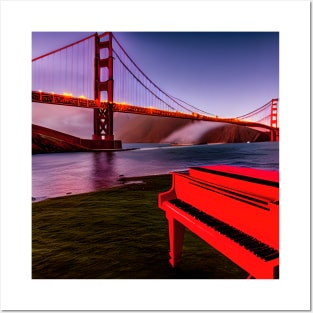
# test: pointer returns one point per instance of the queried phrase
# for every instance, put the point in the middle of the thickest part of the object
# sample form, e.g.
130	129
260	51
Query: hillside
142	128
150	129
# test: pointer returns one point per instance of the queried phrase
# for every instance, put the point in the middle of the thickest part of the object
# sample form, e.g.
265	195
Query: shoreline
120	182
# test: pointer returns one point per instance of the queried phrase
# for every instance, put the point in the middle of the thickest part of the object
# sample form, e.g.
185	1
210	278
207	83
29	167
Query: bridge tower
103	117
274	120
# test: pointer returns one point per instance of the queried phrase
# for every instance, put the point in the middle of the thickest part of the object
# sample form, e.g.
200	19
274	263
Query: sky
223	73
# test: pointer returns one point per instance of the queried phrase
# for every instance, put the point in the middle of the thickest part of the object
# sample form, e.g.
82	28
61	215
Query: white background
19	19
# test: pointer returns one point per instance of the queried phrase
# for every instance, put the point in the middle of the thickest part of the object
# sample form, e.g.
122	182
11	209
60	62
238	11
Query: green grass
116	233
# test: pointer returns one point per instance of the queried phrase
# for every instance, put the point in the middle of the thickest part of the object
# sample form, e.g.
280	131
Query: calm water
59	174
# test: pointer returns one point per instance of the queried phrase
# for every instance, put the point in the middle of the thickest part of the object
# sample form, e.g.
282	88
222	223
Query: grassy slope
116	233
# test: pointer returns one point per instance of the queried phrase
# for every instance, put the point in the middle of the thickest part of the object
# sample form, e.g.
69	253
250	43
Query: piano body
233	209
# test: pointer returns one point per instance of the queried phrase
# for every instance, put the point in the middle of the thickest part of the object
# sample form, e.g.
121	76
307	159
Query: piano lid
259	182
254	175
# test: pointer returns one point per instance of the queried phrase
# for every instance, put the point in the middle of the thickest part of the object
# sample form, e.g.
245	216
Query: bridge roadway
68	100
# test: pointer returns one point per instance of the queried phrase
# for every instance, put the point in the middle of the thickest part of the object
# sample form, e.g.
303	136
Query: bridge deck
57	99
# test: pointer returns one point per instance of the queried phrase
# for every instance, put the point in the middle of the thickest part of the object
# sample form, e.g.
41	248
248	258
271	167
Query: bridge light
82	97
67	94
40	90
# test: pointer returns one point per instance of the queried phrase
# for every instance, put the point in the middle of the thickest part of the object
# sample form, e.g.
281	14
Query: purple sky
223	73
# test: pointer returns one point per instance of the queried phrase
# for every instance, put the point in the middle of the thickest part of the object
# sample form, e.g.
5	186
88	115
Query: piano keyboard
260	249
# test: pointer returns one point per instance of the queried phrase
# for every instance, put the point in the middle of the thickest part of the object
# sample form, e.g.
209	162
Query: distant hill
229	133
132	128
143	128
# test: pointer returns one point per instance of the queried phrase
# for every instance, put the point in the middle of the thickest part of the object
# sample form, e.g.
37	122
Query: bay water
59	174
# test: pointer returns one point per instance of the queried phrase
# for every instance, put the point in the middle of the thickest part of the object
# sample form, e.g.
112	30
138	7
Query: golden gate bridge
97	73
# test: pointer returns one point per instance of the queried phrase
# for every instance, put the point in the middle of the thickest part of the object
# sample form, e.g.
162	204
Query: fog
133	128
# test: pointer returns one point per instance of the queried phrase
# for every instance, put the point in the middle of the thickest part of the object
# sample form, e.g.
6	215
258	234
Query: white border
19	19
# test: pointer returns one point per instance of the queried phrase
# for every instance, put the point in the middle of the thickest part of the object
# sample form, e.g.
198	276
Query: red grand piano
233	209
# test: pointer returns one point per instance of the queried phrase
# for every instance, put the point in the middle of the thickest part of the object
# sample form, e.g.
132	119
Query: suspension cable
255	111
147	76
65	47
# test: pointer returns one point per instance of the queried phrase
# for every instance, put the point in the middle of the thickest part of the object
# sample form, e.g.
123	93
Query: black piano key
243	240
255	243
252	245
260	249
272	256
221	229
235	234
264	253
264	249
240	237
227	231
204	217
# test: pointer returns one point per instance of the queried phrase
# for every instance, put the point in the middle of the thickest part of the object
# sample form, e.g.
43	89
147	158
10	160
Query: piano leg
176	238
